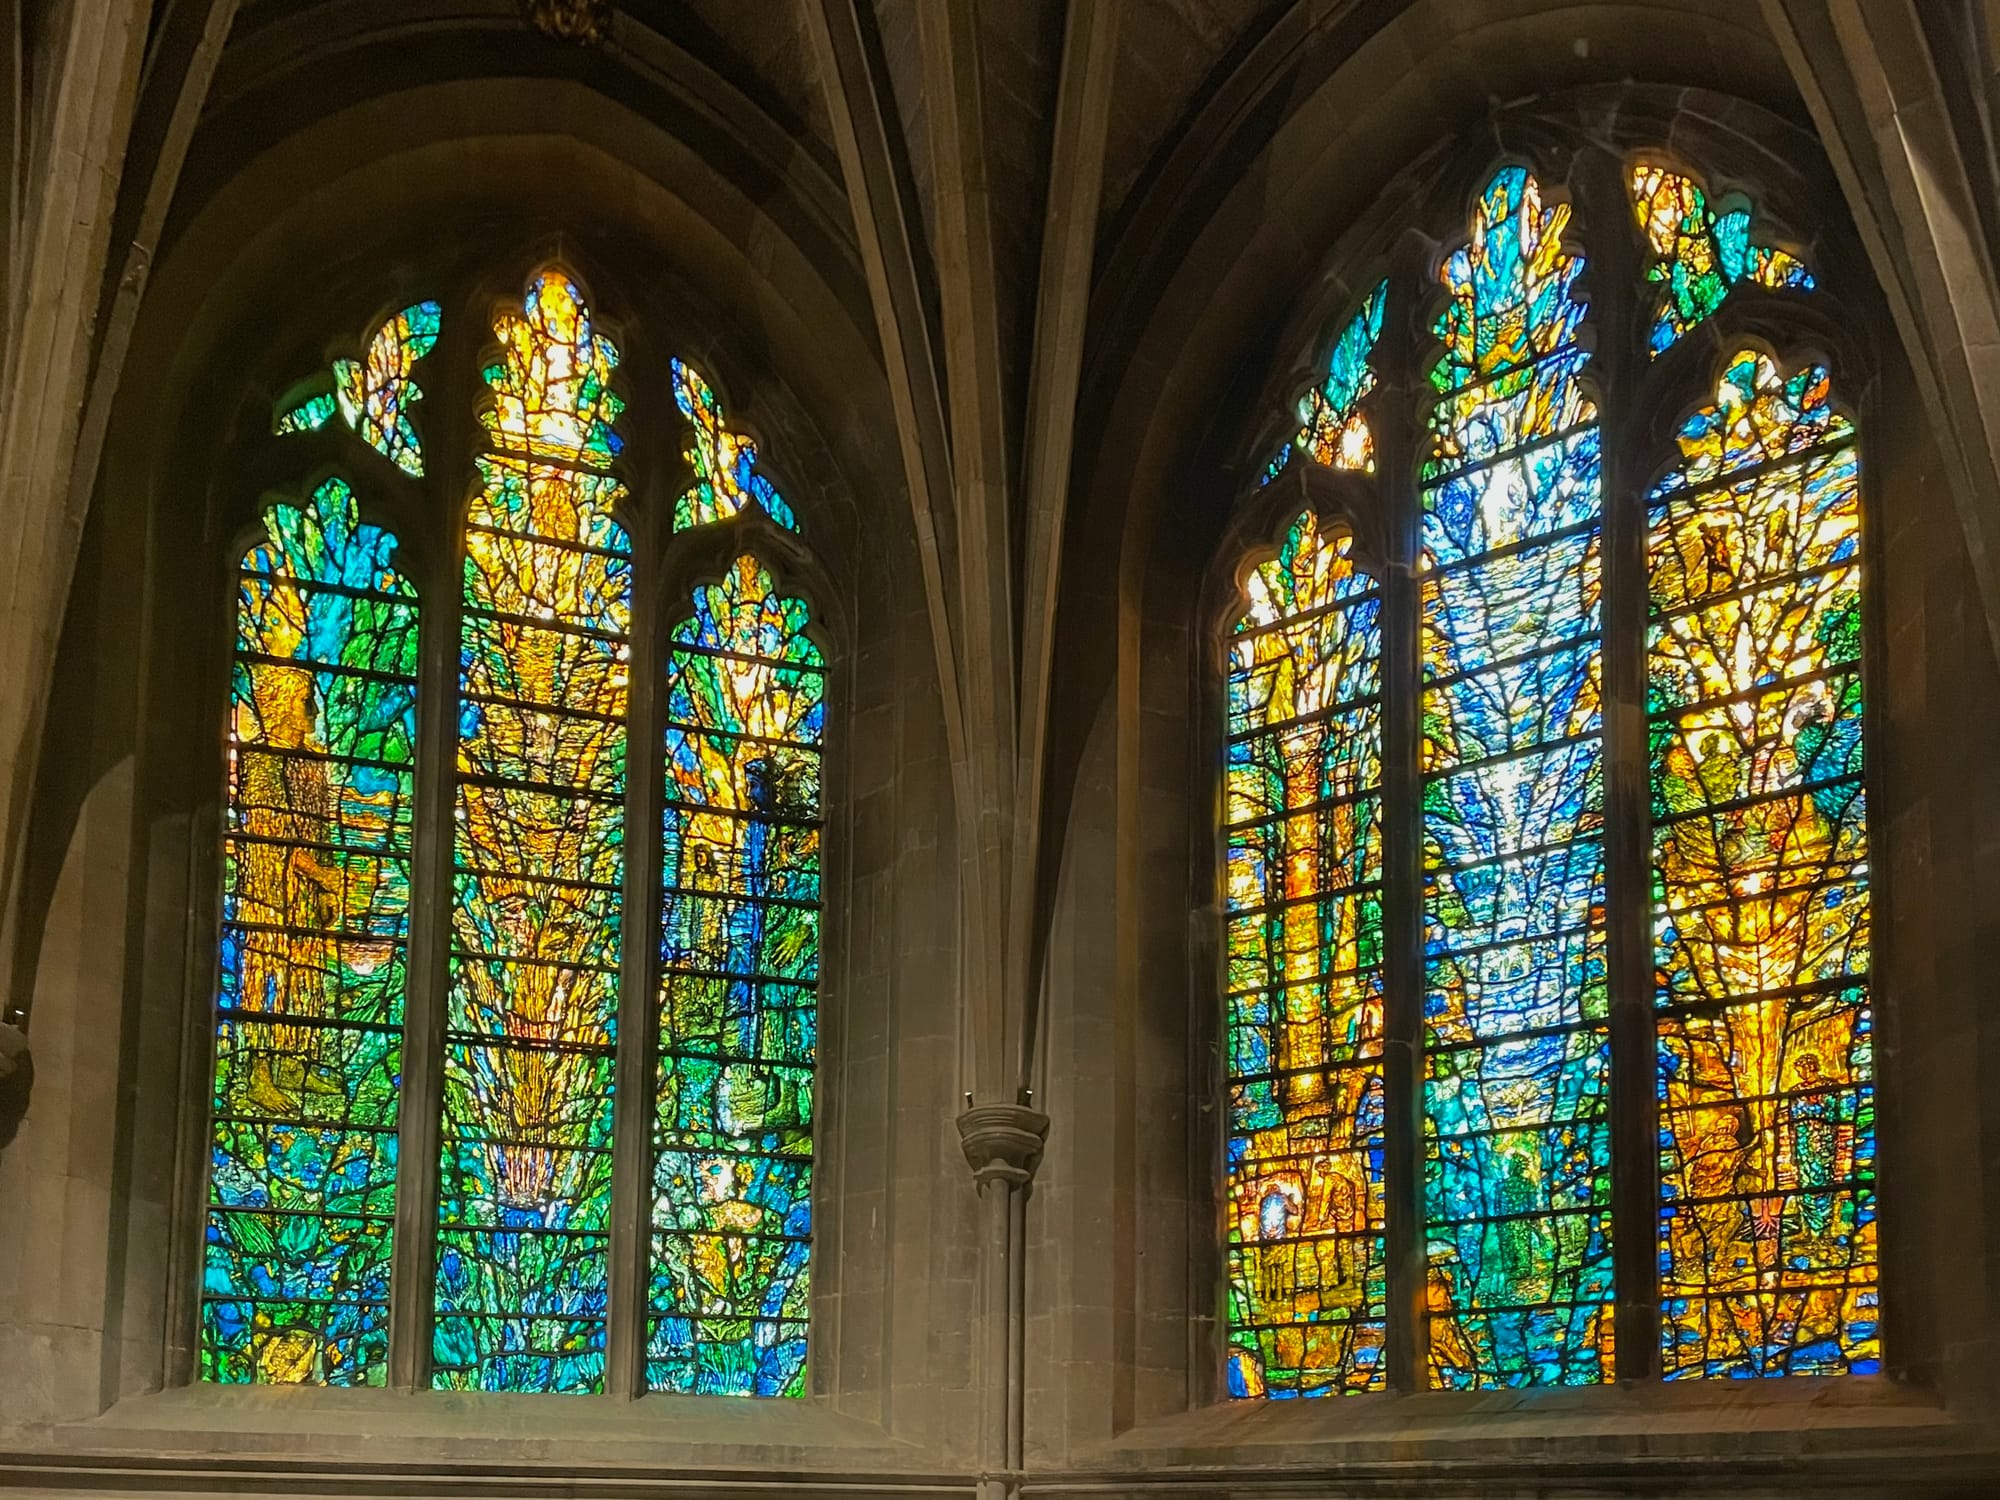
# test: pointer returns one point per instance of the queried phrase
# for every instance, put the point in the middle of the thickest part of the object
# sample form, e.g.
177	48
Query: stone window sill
431	1431
1722	1427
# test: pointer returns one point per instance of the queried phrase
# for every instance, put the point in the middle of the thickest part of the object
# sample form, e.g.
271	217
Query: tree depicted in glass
727	479
1516	1129
1760	873
539	854
1303	892
1335	429
739	952
516	1244
314	953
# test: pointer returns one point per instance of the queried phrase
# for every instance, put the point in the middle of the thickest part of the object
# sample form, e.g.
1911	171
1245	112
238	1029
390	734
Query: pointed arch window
732	1169
1302	829
435	1157
314	955
1637	1135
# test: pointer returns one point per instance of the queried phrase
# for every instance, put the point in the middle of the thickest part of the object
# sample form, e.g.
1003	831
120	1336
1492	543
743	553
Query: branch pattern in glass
374	395
727	478
1303	872
315	920
733	1132
539	860
1760	852
1335	431
1517	1147
1698	255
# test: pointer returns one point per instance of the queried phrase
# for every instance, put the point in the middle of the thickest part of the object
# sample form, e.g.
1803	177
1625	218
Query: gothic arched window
1545	860
509	1092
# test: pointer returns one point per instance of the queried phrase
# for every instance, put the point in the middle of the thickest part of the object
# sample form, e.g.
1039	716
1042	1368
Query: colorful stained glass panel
374	394
531	1022
1699	255
1336	432
1302	884
315	927
1516	1138
1768	1258
726	474
733	1133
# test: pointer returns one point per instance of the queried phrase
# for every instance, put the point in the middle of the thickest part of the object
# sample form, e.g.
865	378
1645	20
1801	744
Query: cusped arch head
706	556
1791	383
1332	177
308	220
1345	511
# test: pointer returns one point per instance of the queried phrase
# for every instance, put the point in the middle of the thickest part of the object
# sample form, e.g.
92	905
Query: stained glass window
732	1179
314	953
1303	812
374	395
1517	1143
515	1241
308	414
727	478
1483	862
524	1217
1699	254
1760	853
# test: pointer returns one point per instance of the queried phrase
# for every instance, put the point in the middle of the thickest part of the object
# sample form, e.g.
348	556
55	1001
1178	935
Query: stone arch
287	237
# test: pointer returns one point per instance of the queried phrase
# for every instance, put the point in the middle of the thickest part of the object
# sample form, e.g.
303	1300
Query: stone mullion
638	972
450	378
1395	419
1619	360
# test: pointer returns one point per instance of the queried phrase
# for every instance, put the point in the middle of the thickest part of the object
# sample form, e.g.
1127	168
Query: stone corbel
1003	1142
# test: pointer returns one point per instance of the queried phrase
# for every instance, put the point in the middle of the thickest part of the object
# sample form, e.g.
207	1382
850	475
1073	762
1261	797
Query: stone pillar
1003	1146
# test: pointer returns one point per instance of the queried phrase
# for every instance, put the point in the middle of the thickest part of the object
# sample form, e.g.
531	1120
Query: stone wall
1147	222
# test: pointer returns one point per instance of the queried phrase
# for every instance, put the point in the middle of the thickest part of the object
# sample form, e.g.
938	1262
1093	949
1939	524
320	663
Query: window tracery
373	394
542	763
1761	1169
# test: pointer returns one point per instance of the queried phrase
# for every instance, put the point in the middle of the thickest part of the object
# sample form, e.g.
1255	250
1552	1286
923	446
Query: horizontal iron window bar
294	584
746	658
328	668
1771	584
1277	624
389	855
1493	668
1759	799
1664	716
537	539
555	625
1663	501
1835	985
1304	721
1561	742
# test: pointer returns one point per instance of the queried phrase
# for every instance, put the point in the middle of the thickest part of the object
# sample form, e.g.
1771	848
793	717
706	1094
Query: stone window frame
1641	404
295	227
256	469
